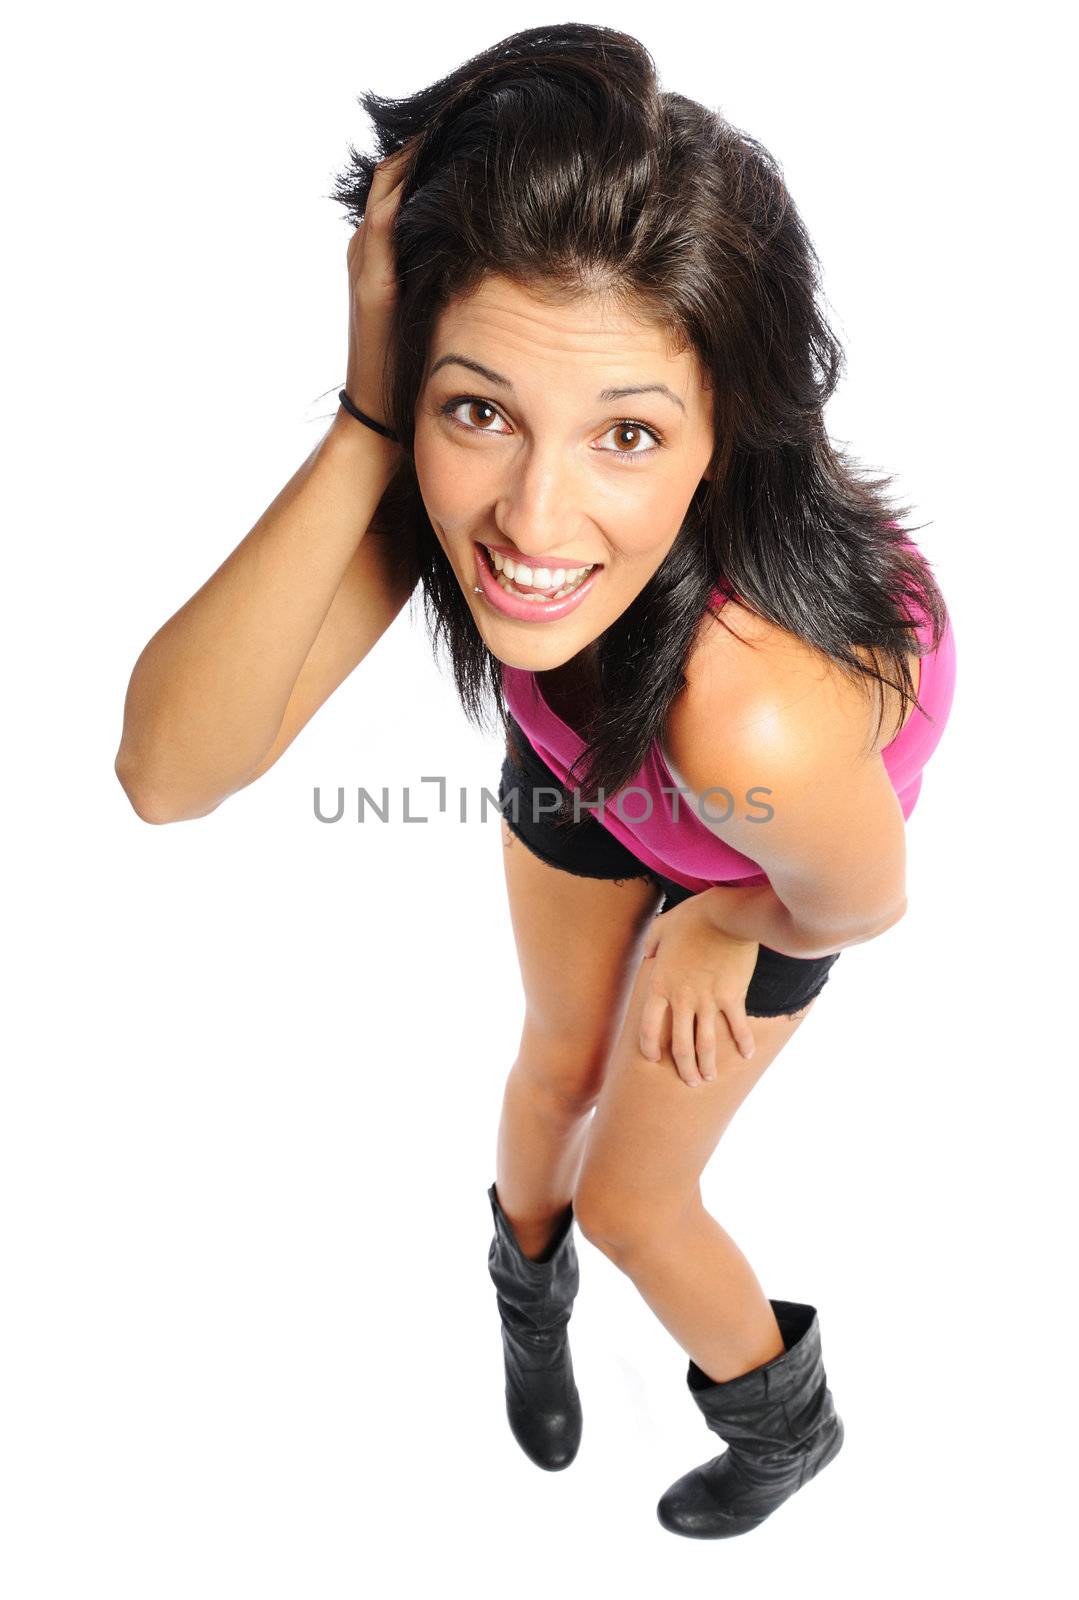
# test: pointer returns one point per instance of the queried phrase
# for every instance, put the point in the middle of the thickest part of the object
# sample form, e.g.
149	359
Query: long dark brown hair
554	159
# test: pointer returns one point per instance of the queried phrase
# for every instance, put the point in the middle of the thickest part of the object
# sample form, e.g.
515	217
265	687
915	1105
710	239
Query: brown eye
480	413
636	433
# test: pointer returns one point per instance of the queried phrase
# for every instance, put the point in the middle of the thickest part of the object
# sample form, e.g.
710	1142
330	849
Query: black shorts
781	985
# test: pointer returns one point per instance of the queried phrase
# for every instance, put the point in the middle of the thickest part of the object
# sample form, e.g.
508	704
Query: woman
584	412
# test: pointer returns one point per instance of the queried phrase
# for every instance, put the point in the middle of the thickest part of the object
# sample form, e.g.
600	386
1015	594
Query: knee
558	1073
623	1225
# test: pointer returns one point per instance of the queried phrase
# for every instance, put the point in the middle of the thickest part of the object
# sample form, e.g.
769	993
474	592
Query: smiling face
530	441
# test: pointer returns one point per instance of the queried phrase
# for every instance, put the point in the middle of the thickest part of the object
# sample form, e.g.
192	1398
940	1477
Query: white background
254	1063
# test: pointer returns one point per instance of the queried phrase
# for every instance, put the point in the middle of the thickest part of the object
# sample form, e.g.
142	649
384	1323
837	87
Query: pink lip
552	563
527	610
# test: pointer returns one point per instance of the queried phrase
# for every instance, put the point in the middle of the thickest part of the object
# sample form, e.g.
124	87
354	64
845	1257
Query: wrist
366	392
729	907
357	436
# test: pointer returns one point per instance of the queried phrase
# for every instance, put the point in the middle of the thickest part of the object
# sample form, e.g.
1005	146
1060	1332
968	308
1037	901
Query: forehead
503	322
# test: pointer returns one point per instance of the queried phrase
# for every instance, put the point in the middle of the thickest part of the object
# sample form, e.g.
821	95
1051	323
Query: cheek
448	490
424	457
642	529
435	483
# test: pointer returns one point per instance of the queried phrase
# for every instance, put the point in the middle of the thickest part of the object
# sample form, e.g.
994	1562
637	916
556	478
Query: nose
540	519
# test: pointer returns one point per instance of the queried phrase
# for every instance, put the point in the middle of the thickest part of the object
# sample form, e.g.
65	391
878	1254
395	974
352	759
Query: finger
374	258
391	171
682	1046
383	198
651	1026
741	1032
706	1042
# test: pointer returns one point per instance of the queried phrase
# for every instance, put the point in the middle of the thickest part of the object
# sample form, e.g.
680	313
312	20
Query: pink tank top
678	843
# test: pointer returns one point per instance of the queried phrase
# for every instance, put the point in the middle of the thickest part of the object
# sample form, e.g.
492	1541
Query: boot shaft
779	1406
533	1296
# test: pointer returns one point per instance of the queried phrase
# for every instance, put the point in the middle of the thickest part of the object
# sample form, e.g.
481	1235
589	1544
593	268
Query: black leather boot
535	1299
780	1426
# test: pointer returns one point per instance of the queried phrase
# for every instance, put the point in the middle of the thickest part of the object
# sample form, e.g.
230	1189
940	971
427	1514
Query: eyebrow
504	383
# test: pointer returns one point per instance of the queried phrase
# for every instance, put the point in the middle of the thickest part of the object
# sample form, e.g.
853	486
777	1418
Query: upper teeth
536	577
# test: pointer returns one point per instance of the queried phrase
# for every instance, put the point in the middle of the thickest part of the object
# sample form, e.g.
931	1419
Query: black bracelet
354	411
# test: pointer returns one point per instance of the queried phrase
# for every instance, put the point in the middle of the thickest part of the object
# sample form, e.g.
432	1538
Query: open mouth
537	584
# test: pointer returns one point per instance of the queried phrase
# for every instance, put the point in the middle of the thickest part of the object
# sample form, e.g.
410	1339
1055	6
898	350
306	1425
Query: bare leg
578	944
541	1140
638	1196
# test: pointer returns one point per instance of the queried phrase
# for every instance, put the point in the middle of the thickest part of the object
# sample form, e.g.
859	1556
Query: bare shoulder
755	690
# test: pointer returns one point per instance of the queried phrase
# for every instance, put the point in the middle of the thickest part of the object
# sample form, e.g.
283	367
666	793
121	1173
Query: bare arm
812	806
223	687
228	682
